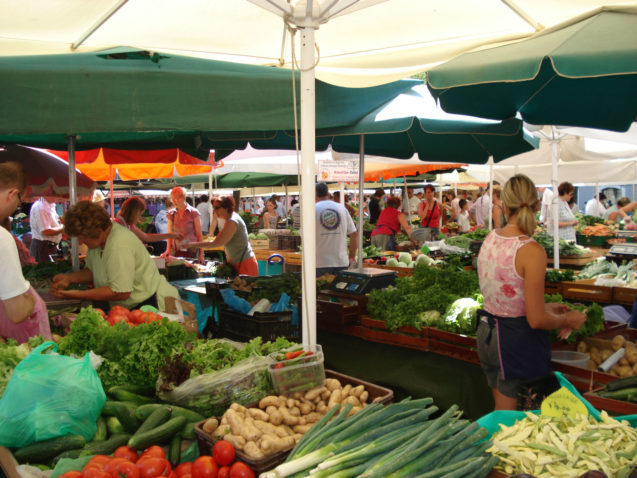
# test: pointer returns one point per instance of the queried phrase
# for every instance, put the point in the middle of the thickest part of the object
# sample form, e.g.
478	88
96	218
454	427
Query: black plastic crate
180	272
267	325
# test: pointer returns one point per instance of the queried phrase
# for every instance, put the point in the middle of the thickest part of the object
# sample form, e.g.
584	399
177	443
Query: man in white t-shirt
23	313
545	208
204	213
46	230
410	205
595	206
333	226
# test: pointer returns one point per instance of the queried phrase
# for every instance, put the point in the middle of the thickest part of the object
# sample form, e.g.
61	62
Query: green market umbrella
580	73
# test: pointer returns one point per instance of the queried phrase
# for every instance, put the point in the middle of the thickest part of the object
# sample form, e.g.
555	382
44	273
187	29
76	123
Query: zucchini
102	432
43	451
159	416
124	412
188	431
138	389
143	411
625	394
127	396
174	451
621	383
114	426
106	447
157	436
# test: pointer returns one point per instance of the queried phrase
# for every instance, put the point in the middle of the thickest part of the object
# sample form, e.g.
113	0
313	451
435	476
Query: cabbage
462	315
423	259
430	317
393	262
262	236
252	236
405	258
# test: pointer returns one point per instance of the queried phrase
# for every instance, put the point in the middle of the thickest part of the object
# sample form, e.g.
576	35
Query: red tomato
241	470
183	468
223	452
185	475
152	467
126	452
95	473
128	469
204	467
98	461
137	316
155	451
224	472
113	463
72	474
115	318
101	312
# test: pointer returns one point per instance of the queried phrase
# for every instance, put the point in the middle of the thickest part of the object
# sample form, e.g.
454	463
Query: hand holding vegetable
574	319
60	282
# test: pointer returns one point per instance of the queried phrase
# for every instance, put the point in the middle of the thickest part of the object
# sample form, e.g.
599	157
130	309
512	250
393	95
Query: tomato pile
131	317
152	463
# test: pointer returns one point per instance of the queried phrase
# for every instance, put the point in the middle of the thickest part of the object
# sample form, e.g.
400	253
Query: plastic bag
234	302
282	304
212	393
50	395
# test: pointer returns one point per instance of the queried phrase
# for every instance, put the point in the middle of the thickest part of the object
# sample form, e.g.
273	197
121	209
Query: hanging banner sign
338	171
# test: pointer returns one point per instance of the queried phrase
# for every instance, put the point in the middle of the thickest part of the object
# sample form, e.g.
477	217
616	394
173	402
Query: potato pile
627	365
279	422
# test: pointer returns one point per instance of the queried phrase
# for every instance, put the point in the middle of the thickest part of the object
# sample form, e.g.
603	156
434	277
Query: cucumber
124	412
102	432
114	426
625	394
188	431
174	451
43	451
143	411
127	396
138	389
621	383
159	416
73	454
157	436
106	447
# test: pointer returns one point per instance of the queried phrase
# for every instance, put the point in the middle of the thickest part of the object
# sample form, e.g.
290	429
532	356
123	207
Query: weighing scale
627	234
361	281
623	252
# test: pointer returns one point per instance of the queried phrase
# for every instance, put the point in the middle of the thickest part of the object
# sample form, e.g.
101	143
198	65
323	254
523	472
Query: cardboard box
183	312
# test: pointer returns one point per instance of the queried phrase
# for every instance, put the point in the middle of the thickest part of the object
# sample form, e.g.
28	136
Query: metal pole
555	205
111	176
308	188
361	198
75	260
490	190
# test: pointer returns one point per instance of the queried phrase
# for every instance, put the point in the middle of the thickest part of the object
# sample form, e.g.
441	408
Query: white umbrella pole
308	181
555	203
111	175
361	190
287	217
406	199
490	190
75	260
210	210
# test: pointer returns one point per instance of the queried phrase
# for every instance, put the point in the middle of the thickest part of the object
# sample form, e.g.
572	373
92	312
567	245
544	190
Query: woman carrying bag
429	214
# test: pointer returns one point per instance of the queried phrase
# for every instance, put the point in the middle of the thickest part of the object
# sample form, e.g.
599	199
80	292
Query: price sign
563	403
337	171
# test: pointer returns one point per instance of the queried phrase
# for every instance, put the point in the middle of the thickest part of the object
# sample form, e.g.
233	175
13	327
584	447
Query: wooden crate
624	295
552	287
462	347
586	291
583	379
409	337
400	271
260	243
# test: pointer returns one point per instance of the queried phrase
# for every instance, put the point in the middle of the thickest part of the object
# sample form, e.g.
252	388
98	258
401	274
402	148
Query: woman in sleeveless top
129	216
270	217
513	344
389	223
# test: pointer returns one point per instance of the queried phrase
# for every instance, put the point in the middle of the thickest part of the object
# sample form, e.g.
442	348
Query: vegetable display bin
267	325
300	373
568	357
598	241
611	405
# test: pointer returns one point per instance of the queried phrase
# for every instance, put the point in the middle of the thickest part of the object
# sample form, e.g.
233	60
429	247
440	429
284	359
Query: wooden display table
579	261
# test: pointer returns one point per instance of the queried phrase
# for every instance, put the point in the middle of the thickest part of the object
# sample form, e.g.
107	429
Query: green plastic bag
50	395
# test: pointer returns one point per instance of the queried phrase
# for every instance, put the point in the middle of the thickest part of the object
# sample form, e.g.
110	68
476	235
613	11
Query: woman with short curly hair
117	263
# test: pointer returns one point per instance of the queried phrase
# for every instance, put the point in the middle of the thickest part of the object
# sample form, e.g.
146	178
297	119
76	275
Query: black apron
525	353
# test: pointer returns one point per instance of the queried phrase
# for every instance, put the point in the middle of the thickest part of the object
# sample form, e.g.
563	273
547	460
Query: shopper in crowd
46	230
270	217
117	263
448	212
595	206
233	237
23	313
130	215
375	205
545	207
26	259
161	225
350	209
333	226
464	223
183	219
566	219
513	344
429	213
203	206
410	205
389	222
619	210
497	211
295	211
